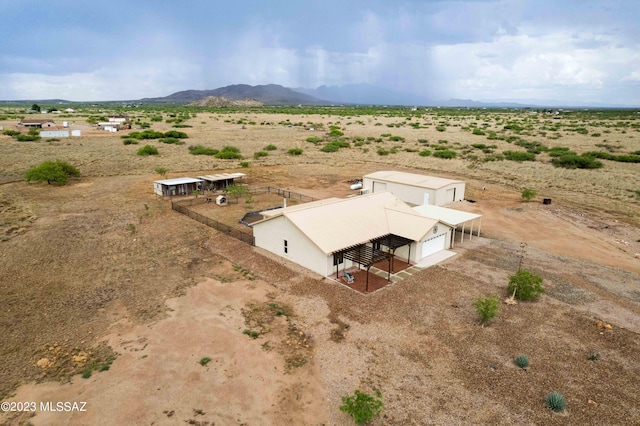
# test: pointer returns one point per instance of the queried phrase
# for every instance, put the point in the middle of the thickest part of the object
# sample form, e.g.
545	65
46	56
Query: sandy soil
104	260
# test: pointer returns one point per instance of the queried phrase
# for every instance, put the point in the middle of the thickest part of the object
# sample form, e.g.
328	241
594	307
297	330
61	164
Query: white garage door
433	245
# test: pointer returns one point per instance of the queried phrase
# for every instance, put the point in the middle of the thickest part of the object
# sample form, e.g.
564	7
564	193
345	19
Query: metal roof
423	181
222	176
336	224
177	181
452	216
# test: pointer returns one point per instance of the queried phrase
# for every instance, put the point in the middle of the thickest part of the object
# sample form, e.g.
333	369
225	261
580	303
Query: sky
582	51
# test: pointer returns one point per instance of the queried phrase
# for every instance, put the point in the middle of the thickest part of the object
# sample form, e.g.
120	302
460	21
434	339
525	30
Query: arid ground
110	297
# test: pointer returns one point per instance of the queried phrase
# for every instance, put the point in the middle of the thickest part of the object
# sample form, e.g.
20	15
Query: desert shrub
202	150
441	128
161	171
487	307
382	151
259	154
204	361
445	153
57	172
295	151
528	194
336	133
479	145
175	134
156	118
627	158
270	147
558	151
362	407
129	141
244	164
478	132
330	148
424	153
396	138
146	134
314	140
27	138
519	156
522	361
148	150
555	401
144	125
228	155
11	133
172	141
527	285
573	161
532	147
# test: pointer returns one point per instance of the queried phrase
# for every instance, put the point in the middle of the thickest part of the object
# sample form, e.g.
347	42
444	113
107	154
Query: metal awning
392	241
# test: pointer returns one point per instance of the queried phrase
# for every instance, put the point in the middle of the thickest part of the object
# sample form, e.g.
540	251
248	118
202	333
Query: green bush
244	164
175	134
27	138
270	147
204	361
52	172
172	141
382	151
148	150
424	153
441	128
330	147
555	401
259	154
295	151
528	194
445	153
146	134
362	407
202	150
522	361
336	133
130	141
519	156
314	140
228	155
558	151
478	132
527	286
487	307
572	161
11	133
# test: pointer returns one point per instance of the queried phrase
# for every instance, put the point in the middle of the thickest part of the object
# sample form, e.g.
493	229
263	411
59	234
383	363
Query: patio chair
348	276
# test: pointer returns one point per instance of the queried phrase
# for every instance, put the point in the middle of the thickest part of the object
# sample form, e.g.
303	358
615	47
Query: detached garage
415	189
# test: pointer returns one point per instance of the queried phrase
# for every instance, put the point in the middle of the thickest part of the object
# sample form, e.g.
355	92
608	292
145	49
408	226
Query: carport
456	218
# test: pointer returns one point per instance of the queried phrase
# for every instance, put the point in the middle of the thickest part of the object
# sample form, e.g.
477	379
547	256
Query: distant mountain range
351	94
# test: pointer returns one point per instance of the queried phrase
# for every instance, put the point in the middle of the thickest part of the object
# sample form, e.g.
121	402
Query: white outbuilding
177	186
415	189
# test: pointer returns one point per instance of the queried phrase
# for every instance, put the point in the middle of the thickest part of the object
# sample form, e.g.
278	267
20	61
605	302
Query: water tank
356	186
65	124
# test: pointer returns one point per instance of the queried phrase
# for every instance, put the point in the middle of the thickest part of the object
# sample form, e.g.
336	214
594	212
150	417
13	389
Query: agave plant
555	401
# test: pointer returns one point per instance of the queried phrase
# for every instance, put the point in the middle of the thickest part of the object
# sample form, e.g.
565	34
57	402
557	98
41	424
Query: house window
338	259
286	247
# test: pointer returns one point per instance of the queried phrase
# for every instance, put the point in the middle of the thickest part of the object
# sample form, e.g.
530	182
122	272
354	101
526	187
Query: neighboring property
177	186
220	181
327	235
38	123
415	189
109	126
118	119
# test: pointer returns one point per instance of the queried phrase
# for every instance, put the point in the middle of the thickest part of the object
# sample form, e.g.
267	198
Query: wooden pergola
393	241
363	255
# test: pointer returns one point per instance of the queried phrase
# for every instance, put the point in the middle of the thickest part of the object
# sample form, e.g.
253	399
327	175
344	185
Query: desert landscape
112	298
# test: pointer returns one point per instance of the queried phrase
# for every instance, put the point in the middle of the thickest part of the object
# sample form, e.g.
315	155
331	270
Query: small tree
52	172
525	285
487	307
35	107
528	194
161	171
236	191
362	407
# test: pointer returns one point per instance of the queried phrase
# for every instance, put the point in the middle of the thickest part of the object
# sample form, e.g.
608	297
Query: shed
415	189
177	186
220	181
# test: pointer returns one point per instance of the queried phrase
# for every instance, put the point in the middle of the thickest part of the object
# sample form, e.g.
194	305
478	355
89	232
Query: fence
181	207
212	223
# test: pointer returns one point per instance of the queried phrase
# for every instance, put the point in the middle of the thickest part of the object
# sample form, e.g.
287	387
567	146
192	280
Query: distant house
109	125
38	123
177	186
69	110
118	118
415	189
333	234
